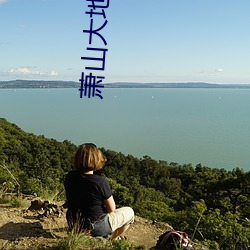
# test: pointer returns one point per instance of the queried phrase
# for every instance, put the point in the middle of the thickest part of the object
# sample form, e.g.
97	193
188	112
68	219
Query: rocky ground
43	228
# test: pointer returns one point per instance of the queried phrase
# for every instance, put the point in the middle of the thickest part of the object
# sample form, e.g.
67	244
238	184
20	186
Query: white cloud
218	70
22	71
211	72
53	73
31	71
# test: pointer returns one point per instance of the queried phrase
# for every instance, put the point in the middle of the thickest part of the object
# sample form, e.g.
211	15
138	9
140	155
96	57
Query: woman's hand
110	204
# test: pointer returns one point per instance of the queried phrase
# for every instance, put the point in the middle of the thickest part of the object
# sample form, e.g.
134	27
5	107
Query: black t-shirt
86	193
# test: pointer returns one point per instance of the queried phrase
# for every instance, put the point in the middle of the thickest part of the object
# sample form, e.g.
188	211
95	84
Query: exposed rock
47	207
44	223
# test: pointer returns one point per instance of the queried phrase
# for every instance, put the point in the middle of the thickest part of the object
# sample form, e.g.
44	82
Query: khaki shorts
120	217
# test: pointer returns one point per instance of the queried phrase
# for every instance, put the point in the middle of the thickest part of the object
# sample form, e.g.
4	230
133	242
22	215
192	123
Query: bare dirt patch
26	229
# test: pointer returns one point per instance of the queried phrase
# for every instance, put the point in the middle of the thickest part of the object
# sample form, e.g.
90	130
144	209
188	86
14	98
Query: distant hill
173	85
37	84
71	84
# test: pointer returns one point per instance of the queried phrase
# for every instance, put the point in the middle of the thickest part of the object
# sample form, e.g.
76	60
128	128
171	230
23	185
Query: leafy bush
153	210
19	202
213	205
5	200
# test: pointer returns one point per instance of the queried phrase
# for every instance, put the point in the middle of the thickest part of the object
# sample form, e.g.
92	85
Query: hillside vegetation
212	205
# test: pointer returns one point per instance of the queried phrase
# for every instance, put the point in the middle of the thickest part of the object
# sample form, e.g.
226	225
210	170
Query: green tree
121	194
154	210
236	188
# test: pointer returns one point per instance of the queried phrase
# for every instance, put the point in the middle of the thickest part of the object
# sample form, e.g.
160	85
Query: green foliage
8	186
212	205
227	230
18	202
5	199
236	188
119	245
121	193
37	162
153	210
141	193
48	190
82	241
216	230
75	241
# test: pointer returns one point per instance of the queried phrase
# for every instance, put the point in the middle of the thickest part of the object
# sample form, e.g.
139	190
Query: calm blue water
207	126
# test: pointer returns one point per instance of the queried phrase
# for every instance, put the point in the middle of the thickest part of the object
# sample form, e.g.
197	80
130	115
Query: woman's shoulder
72	174
99	177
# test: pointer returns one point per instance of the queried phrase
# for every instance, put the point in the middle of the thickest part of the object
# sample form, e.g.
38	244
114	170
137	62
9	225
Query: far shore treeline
212	205
18	84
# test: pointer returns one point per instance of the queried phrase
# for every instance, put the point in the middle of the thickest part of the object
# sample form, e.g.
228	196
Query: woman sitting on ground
91	205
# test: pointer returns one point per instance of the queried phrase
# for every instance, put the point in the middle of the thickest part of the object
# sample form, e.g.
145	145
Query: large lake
207	126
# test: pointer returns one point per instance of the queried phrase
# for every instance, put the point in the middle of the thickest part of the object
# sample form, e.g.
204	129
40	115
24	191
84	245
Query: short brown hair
88	157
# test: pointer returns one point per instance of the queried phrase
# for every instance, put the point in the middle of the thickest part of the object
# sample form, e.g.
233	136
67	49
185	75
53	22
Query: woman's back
86	193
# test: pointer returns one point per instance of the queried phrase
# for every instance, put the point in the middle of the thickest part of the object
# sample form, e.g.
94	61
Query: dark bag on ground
173	240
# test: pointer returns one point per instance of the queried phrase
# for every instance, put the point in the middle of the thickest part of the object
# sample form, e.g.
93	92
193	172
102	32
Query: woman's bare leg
119	231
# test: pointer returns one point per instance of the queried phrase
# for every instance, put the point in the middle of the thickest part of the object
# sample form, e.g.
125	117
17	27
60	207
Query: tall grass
14	201
19	202
83	241
75	241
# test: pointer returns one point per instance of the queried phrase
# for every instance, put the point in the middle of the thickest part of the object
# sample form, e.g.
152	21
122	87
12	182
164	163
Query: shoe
121	238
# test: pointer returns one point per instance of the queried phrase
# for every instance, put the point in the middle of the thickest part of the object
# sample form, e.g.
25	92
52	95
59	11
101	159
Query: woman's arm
110	204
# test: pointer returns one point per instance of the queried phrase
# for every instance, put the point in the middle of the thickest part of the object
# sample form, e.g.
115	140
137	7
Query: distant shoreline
19	84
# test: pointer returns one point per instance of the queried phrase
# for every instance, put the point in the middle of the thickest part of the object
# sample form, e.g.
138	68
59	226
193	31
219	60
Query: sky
147	41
